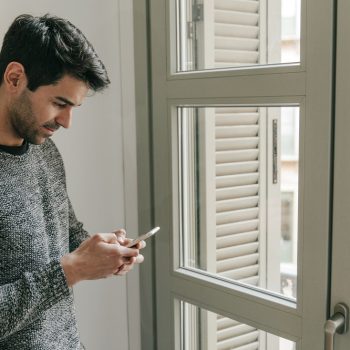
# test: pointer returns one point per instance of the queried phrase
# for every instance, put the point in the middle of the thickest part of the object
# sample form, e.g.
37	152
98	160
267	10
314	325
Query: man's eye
60	105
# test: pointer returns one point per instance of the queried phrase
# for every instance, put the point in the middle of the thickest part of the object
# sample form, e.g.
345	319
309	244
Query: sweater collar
15	150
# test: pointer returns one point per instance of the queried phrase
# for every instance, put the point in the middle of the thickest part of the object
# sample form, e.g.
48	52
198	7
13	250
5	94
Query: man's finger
123	251
117	249
120	234
106	237
129	260
120	231
140	245
139	259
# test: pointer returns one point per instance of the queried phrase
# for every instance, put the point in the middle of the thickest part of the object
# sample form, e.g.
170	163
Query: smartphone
143	237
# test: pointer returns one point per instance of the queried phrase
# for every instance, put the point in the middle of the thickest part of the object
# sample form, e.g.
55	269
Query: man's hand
122	240
100	256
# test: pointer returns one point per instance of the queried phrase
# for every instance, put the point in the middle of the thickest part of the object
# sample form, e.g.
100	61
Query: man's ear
15	78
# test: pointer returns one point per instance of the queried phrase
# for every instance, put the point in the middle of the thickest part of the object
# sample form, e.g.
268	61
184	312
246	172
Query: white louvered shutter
237	193
237	166
235	42
237	212
236	28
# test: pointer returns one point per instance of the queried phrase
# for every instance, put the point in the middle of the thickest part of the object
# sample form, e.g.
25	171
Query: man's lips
50	130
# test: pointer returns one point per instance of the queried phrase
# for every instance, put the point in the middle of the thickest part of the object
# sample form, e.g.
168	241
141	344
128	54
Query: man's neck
8	136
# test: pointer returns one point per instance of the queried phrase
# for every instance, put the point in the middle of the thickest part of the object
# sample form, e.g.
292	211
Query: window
236	220
215	34
200	329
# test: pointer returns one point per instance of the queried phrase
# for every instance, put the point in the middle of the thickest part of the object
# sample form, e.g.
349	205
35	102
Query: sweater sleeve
77	234
24	300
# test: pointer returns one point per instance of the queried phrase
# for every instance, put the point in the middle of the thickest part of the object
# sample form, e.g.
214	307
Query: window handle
338	323
274	151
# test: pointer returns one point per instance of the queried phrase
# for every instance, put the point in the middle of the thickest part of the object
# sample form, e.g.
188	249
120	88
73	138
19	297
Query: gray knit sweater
37	227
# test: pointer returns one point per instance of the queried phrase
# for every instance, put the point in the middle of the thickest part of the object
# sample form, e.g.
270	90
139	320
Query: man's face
35	116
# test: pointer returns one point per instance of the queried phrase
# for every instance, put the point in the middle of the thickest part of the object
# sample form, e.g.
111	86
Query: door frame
150	88
340	286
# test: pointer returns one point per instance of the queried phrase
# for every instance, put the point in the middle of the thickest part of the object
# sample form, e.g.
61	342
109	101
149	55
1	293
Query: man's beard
24	122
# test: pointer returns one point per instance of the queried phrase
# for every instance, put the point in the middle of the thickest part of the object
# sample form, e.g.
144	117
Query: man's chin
36	140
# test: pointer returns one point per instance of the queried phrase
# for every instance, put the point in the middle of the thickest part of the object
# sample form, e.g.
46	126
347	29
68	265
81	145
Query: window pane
239	193
204	330
229	33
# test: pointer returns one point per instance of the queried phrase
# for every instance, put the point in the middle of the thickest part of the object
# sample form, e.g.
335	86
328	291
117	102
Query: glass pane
229	33
204	330
239	193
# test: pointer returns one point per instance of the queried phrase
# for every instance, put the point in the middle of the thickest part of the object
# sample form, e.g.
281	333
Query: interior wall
93	150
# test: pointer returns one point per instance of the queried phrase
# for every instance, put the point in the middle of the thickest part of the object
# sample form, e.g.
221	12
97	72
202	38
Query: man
47	67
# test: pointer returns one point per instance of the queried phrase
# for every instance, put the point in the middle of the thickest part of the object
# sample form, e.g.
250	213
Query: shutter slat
250	346
236	131
243	18
237	180
238	341
244	272
237	238
237	215
231	252
253	281
237	168
236	204
236	56
236	156
238	5
236	192
236	44
238	330
221	111
219	65
225	322
236	263
237	227
236	118
236	143
236	30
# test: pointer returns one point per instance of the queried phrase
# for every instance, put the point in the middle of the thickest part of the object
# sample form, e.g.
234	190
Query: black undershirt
15	150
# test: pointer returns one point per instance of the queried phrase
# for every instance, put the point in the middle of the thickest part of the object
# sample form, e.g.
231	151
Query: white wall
98	171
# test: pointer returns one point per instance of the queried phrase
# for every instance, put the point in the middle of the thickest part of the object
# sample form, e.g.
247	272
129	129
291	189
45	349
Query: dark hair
49	47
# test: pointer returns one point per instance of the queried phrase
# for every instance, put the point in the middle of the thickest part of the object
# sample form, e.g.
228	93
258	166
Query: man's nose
65	117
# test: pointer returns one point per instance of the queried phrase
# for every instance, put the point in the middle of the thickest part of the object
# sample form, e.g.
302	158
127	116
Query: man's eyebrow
65	100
